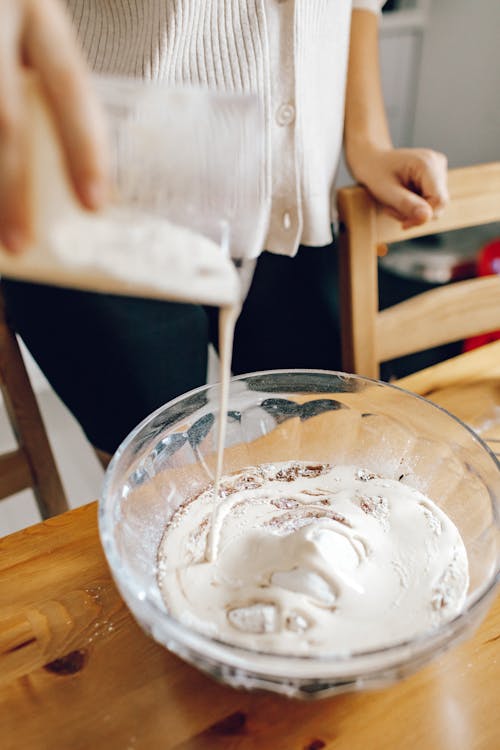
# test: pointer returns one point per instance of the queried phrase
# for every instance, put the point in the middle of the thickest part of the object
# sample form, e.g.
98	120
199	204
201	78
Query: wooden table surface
76	671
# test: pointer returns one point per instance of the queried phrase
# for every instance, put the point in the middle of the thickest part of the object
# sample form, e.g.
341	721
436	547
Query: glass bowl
312	416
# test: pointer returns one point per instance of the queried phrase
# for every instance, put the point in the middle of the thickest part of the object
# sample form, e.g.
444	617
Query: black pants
113	360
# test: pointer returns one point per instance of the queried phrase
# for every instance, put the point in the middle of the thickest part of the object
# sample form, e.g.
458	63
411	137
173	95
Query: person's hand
36	34
410	183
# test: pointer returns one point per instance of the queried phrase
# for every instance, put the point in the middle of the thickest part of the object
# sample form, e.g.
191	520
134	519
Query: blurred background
441	76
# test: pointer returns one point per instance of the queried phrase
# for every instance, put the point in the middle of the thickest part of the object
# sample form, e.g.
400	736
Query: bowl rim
203	643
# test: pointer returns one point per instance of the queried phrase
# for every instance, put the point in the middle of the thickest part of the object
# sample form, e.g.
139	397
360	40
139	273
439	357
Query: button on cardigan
291	53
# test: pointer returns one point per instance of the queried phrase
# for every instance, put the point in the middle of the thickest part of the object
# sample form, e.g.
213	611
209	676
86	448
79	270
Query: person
314	66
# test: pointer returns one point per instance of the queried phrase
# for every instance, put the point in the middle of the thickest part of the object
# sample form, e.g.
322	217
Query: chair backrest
441	315
31	465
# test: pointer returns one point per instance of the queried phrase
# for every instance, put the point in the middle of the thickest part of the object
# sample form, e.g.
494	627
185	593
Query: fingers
76	112
431	177
39	34
15	226
419	191
404	205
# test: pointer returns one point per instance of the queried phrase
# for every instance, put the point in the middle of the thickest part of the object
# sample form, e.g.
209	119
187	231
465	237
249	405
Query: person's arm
36	34
411	183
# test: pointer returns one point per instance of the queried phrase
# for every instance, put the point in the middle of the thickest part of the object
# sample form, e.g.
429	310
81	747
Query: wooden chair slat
439	316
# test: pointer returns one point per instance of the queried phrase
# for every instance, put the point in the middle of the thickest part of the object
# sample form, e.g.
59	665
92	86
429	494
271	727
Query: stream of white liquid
227	322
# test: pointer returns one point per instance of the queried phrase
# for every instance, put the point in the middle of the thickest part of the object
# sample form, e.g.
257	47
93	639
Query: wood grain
77	672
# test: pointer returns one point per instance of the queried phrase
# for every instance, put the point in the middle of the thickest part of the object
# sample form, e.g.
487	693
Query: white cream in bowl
312	559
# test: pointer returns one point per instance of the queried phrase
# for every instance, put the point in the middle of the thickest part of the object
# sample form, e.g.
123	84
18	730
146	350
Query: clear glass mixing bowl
305	415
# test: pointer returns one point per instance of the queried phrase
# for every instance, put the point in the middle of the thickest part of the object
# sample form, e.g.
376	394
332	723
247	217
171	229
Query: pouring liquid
227	322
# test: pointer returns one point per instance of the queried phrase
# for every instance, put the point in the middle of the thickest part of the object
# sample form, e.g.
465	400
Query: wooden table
76	671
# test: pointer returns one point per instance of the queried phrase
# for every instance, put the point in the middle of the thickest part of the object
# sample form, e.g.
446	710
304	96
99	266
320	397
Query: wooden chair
32	464
435	317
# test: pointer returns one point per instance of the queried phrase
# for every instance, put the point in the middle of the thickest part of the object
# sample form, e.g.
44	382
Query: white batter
311	559
136	249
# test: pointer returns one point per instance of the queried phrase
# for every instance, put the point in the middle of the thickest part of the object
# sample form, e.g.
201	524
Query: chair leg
104	458
24	414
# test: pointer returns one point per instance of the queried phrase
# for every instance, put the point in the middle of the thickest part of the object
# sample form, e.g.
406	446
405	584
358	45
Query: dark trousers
113	360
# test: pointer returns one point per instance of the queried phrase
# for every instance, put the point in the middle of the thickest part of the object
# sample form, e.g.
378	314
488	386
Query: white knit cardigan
291	53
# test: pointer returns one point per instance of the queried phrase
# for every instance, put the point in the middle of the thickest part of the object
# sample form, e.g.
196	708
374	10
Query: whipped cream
311	559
